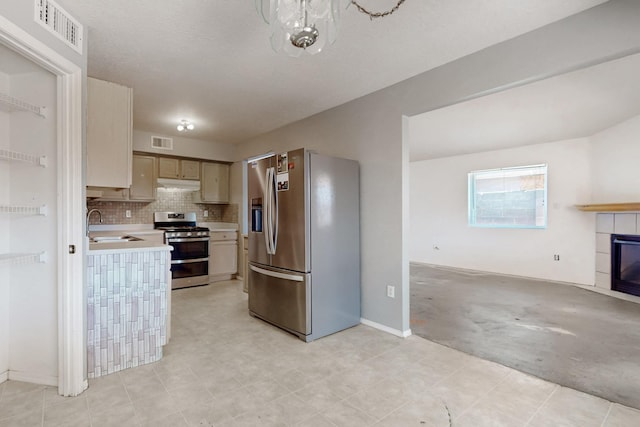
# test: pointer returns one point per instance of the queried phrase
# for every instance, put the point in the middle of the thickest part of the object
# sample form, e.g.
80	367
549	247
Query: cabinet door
143	185
168	168
109	126
215	182
223	258
190	169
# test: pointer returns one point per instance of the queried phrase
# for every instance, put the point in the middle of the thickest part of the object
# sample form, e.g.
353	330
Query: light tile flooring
223	367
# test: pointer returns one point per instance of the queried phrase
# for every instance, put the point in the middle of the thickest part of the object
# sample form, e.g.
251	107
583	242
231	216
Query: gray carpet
561	333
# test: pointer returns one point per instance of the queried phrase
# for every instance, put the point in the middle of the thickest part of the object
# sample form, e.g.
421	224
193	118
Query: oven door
189	248
189	262
186	273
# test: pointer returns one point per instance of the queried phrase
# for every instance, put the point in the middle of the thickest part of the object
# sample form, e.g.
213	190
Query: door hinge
72	249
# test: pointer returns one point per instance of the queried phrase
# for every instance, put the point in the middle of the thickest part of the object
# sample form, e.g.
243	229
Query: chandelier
307	26
185	125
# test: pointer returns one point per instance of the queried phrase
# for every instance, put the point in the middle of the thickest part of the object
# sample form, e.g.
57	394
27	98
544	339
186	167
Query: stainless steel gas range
190	255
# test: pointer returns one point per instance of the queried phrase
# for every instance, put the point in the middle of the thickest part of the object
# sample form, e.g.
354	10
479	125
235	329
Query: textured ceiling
573	105
210	60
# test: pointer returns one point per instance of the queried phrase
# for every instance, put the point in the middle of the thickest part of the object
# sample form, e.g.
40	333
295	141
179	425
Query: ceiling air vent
161	143
55	19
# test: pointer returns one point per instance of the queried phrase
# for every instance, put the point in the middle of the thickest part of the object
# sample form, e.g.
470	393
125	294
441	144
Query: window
509	198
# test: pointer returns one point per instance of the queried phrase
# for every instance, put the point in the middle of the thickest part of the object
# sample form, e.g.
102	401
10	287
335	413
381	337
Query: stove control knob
188	233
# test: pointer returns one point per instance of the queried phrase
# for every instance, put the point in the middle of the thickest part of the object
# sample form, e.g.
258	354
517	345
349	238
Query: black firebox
625	263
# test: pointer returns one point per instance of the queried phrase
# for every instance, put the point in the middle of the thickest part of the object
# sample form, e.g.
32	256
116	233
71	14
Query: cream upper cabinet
143	185
168	167
190	169
178	168
214	183
109	128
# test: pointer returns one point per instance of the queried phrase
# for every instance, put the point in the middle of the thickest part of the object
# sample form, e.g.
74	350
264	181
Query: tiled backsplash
606	225
167	201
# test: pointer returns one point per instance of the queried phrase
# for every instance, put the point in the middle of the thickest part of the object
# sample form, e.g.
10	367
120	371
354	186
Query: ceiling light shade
301	26
185	125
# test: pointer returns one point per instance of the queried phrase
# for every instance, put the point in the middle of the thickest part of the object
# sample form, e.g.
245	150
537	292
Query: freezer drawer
281	297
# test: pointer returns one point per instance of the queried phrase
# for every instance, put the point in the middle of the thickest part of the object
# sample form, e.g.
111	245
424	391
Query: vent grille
161	143
55	19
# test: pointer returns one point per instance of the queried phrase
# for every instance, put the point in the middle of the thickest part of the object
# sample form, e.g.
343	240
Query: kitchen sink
114	239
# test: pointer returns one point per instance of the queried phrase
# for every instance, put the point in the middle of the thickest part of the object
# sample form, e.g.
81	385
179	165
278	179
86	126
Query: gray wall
185	147
21	13
369	130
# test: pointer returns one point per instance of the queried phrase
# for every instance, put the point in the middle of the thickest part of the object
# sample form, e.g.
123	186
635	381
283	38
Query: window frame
471	197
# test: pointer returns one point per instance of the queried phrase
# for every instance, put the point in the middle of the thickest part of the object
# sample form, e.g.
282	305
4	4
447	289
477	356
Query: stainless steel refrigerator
304	242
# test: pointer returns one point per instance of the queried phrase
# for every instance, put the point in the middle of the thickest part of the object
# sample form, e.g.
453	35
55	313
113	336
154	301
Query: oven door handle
187	261
188	239
627	242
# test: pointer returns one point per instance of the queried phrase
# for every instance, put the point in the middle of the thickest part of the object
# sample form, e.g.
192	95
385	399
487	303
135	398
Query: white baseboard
609	292
220	277
383	328
590	287
35	379
4	376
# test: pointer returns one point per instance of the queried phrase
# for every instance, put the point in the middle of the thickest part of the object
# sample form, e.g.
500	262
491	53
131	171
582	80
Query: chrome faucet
89	214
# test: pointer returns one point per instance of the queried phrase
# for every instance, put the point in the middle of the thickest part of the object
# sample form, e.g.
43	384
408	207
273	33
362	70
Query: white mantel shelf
610	207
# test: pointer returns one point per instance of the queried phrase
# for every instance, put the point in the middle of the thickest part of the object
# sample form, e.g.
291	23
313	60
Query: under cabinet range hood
179	184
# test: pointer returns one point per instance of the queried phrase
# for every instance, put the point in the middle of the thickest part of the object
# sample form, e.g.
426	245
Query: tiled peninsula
128	306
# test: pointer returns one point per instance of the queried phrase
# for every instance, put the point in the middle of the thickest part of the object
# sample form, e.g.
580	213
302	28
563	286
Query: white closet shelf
19	259
22	157
15	104
24	210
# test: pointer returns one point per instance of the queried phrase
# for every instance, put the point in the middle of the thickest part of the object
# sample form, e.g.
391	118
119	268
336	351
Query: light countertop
137	246
139	228
152	240
220	226
142	228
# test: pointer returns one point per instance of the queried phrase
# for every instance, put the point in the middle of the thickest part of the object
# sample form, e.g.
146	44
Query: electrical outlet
127	213
205	214
556	257
391	291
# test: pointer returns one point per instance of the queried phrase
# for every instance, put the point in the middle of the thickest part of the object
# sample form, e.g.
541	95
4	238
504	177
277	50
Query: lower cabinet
223	255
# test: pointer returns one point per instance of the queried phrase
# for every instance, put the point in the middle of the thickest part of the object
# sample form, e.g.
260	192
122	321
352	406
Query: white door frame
71	302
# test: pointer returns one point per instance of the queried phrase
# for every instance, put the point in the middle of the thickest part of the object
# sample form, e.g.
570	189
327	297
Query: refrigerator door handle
271	206
267	211
274	231
278	275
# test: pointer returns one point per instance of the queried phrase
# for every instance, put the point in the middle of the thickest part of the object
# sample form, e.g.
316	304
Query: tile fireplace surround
606	225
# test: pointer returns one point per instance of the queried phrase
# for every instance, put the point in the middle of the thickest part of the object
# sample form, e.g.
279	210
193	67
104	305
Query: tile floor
223	367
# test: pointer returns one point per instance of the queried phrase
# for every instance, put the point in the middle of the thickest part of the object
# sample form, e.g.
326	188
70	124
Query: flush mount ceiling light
299	26
185	125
